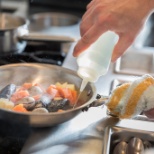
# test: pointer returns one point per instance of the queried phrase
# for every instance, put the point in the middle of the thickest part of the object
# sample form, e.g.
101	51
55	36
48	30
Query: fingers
92	3
87	22
90	8
123	43
89	13
91	17
90	37
85	26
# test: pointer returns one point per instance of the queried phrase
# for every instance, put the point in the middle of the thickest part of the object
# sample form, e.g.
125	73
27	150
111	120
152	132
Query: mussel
55	105
28	103
7	91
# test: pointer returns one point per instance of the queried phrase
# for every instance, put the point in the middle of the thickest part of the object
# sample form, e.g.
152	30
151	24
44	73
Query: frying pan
44	74
14	32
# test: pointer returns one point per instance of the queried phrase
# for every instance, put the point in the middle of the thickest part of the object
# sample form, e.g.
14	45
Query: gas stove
32	54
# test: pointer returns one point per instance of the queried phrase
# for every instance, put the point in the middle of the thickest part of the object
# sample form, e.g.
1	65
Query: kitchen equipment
11	28
135	138
93	63
14	34
67	5
120	148
135	146
44	21
45	75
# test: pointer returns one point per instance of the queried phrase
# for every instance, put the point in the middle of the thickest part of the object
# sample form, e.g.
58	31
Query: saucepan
44	75
14	30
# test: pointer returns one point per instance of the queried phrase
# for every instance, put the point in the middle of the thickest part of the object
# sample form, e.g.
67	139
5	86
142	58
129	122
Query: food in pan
33	98
131	99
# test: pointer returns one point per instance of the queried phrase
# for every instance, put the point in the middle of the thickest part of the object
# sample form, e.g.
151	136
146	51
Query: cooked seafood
33	98
7	91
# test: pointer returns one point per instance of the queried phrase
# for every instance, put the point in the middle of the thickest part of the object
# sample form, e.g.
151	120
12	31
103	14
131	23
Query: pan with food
40	94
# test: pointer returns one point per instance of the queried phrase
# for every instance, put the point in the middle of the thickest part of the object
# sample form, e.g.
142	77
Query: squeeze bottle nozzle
94	61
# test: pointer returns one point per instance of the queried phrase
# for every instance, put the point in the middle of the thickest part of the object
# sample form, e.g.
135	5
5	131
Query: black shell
39	104
7	91
55	105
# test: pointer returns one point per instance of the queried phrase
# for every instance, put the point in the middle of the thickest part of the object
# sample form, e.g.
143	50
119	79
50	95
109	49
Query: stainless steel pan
14	33
45	75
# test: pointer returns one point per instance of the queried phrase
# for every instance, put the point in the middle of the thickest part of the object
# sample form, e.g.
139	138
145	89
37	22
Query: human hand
124	17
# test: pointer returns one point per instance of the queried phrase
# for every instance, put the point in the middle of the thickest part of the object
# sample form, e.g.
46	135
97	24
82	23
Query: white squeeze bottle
94	61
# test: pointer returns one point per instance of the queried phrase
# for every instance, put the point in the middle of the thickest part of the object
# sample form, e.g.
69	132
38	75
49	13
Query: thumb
123	43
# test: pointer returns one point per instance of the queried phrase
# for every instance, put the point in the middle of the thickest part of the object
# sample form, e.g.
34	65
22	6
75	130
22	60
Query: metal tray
116	134
135	63
118	82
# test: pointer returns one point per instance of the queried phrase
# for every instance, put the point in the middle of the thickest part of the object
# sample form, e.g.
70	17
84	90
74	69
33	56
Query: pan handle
45	38
100	101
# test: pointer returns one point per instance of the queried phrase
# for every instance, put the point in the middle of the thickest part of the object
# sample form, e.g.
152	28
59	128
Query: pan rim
50	113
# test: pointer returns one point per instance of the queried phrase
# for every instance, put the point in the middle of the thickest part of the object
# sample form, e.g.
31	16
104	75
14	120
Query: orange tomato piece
66	93
19	94
52	90
27	85
19	108
60	110
74	95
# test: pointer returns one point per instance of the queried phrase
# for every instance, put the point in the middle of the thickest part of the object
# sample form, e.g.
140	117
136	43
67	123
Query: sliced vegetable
6	104
71	95
19	108
53	91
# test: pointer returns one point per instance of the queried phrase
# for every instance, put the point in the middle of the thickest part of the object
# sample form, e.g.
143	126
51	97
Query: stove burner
54	58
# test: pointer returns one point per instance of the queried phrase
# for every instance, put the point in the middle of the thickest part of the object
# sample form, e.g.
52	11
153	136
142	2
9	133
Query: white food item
131	99
6	104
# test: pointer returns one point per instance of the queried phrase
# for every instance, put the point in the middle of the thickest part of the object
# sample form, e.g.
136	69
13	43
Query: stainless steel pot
45	75
14	33
11	28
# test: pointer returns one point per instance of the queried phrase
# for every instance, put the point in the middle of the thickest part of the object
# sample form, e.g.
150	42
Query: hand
124	17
